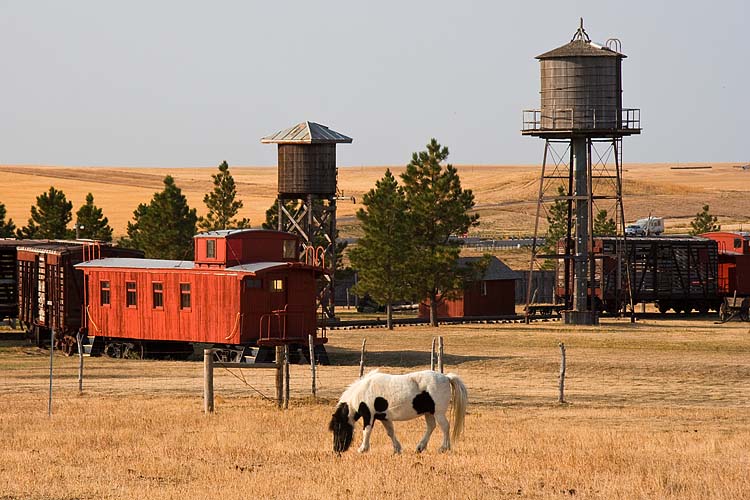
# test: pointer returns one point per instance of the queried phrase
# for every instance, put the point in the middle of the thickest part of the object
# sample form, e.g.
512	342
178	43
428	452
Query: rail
315	256
570	118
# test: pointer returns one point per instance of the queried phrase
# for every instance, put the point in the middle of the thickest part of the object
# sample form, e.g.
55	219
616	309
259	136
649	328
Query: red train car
50	290
733	272
246	289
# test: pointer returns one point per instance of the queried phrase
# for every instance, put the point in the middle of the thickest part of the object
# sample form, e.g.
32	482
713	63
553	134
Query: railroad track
516	318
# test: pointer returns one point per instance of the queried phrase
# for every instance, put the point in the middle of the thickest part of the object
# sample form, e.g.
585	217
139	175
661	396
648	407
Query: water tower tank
307	159
581	86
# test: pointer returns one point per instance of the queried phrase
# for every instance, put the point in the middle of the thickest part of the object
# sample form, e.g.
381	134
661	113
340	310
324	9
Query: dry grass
505	195
656	410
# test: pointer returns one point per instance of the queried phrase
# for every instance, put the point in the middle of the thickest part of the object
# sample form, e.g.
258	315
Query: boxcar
679	273
9	276
246	289
51	290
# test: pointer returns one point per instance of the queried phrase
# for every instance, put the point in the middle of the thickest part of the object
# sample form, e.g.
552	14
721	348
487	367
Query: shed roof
223	233
306	133
496	269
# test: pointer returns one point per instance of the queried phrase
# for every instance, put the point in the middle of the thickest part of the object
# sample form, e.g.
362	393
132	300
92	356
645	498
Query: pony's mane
354	385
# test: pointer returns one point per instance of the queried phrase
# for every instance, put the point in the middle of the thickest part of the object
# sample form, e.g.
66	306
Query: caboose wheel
113	350
723	314
132	350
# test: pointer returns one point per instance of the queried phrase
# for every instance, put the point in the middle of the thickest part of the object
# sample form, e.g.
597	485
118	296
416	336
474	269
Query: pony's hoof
421	448
397	451
444	449
362	449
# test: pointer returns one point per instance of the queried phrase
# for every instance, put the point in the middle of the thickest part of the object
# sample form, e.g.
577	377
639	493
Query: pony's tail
460	399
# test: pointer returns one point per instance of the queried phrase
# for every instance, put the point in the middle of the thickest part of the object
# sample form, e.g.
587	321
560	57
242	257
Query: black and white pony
390	398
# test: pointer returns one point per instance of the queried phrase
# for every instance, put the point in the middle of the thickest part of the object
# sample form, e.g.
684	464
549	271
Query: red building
492	294
245	288
734	262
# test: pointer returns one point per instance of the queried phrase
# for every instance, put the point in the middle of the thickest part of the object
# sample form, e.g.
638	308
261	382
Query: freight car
9	275
677	273
245	293
49	288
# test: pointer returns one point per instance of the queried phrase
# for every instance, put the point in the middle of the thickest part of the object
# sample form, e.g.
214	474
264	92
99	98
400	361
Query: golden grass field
505	195
656	410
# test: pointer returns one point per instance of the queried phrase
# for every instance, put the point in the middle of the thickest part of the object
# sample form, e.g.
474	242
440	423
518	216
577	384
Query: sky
188	83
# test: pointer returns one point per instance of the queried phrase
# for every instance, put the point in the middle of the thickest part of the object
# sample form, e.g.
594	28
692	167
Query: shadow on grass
406	359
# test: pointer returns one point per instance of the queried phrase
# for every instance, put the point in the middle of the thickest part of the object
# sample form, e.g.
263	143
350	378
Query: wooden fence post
312	363
362	359
286	376
432	355
79	341
279	375
561	398
208	381
440	354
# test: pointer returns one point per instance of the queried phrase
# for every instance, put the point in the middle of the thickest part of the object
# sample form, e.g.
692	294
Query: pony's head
342	426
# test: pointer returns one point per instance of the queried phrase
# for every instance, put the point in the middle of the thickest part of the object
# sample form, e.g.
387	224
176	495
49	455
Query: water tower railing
569	118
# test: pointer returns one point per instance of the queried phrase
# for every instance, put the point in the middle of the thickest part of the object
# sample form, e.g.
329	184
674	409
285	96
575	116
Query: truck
650	226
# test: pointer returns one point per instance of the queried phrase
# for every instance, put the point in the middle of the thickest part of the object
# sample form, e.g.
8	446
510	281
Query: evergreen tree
91	222
221	203
7	229
164	228
704	222
438	207
382	255
557	227
272	214
50	217
604	226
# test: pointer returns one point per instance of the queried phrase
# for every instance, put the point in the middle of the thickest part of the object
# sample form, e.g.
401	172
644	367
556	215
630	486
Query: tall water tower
307	179
582	122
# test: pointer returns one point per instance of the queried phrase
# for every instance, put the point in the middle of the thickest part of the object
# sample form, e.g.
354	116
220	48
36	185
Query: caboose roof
306	133
224	233
125	263
113	262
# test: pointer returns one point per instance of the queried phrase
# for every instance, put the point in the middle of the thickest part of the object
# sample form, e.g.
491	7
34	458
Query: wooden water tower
582	122
307	193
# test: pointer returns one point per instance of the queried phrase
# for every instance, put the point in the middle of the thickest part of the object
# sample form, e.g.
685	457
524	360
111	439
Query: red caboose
733	273
246	289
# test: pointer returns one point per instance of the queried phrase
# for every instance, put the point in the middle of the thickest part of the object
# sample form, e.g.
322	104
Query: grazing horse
390	398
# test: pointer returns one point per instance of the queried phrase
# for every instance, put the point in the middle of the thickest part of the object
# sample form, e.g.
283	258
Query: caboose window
131	295
184	295
277	285
158	293
289	250
210	249
249	283
104	293
737	243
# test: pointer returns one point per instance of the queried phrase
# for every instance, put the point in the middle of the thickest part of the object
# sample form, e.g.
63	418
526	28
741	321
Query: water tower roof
580	48
306	133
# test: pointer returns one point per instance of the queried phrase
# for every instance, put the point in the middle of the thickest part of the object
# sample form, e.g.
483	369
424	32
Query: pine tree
438	207
604	226
221	203
50	217
557	227
164	228
704	222
91	222
7	229
382	256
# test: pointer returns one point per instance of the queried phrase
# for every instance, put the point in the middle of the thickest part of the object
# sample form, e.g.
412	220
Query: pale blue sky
183	83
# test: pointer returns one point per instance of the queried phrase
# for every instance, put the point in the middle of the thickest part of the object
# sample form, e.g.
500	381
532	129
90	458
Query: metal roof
306	133
496	269
256	267
138	263
223	233
580	48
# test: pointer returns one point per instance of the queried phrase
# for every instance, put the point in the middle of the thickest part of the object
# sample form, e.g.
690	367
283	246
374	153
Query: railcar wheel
113	350
663	308
723	313
132	350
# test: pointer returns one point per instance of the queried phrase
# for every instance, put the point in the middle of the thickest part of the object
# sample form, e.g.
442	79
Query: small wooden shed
493	294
